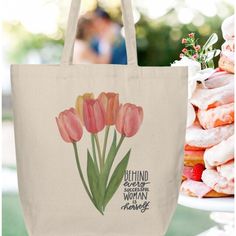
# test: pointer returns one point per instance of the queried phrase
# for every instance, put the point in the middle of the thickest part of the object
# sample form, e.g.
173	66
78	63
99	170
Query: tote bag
99	147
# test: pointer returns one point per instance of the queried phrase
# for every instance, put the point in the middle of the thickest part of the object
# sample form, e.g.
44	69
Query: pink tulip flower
129	119
93	115
110	102
69	126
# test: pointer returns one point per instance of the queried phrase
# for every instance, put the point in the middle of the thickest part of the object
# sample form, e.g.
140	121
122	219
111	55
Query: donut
211	194
198	137
191	115
214	117
191	158
219	154
220	184
227	170
218	79
194	188
225	63
205	98
199	189
193	148
227	28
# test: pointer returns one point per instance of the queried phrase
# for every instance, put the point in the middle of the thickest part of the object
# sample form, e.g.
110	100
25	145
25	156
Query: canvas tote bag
99	147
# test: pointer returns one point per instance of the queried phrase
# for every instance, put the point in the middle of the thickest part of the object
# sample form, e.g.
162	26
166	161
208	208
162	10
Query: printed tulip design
97	115
80	103
129	119
69	126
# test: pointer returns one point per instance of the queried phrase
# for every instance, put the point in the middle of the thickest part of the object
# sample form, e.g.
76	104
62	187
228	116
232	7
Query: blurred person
83	53
108	37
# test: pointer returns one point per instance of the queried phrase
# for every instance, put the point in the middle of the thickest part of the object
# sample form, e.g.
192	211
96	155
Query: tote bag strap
130	39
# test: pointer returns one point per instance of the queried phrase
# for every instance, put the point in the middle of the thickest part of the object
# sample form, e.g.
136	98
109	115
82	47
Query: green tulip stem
122	137
80	171
105	144
94	152
99	152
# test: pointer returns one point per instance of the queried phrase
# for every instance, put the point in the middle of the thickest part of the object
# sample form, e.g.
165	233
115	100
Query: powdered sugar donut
204	98
198	137
221	115
220	184
219	154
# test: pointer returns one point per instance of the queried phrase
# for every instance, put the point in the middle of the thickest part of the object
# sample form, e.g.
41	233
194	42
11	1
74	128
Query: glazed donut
194	188
198	137
218	79
220	184
199	189
205	98
193	148
227	170
211	194
227	28
191	115
219	154
191	158
221	115
226	63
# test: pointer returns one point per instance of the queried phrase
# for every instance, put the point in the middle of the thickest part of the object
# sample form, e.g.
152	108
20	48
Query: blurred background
32	32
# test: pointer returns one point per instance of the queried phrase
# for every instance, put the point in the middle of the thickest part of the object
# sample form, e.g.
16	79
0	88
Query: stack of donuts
209	150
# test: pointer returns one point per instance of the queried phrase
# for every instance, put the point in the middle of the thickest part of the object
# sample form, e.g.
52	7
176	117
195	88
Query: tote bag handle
130	39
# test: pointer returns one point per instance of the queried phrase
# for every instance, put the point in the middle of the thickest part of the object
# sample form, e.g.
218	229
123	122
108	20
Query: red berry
197	172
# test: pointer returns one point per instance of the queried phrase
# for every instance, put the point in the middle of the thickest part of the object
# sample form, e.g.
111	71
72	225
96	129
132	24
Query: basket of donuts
209	147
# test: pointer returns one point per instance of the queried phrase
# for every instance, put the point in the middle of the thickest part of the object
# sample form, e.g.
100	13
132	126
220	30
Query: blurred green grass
186	221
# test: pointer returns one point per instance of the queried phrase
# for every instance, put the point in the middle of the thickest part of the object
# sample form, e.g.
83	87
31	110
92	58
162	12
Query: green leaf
110	159
212	54
116	178
210	64
93	180
94	154
107	169
212	40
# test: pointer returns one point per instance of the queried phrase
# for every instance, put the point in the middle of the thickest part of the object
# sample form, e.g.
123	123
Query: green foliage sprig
204	54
